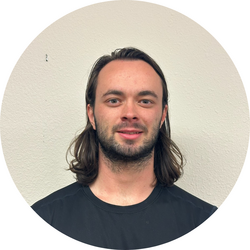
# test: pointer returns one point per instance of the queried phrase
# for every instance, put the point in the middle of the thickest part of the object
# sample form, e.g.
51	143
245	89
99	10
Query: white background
227	21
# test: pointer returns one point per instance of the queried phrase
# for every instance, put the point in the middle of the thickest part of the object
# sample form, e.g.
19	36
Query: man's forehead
125	63
137	70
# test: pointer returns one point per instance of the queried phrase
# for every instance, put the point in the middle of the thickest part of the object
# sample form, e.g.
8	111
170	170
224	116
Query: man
125	163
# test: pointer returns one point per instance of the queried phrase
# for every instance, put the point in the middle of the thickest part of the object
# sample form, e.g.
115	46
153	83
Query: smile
129	135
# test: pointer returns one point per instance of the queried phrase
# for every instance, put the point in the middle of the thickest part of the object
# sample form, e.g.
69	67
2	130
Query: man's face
128	110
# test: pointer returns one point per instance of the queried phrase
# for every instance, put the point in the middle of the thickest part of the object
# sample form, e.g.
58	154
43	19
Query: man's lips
129	134
127	131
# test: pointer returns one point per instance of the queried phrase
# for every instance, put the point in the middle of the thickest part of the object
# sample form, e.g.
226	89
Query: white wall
43	105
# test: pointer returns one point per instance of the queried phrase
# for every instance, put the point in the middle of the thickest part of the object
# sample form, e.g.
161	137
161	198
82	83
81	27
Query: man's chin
128	154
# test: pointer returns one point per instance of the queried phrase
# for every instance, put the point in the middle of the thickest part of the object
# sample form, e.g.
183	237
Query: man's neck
126	185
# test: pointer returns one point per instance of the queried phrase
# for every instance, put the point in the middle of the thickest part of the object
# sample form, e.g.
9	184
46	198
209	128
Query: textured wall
43	105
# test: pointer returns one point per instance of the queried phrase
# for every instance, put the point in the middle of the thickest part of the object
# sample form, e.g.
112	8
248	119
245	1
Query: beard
126	154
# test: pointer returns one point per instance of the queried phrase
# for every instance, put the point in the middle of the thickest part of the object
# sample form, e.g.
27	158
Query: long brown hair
168	160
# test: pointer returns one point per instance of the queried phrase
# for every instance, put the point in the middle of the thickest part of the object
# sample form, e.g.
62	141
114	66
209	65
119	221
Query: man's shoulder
60	194
189	200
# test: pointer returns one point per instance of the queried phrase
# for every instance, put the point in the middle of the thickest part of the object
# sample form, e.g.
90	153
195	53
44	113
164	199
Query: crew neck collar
123	209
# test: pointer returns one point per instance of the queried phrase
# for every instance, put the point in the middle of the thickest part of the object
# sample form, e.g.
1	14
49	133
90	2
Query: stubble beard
127	156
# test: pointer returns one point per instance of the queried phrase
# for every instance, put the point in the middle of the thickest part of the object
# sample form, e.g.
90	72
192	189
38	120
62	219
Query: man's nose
129	112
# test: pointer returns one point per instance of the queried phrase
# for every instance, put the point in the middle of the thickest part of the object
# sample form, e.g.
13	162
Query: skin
128	108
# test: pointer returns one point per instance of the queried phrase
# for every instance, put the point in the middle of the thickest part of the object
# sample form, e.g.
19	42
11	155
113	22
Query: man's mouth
129	134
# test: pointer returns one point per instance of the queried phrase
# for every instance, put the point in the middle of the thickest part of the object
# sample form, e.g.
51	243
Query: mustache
129	126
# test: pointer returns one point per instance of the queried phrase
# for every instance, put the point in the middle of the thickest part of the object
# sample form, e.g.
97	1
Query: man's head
127	113
126	101
126	54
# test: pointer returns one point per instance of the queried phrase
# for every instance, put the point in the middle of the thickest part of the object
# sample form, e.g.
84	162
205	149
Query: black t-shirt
168	213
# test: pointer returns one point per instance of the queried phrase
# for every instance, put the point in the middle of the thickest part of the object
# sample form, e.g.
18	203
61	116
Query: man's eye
113	101
145	101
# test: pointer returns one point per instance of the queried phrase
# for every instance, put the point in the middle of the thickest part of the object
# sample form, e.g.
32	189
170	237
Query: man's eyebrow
120	93
147	92
113	92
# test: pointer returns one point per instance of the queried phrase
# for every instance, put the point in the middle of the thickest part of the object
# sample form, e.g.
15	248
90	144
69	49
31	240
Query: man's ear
164	114
90	112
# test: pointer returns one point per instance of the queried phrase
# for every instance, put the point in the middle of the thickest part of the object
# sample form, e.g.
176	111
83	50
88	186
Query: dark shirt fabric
168	213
